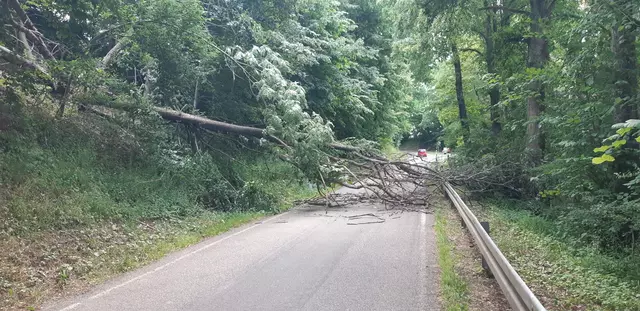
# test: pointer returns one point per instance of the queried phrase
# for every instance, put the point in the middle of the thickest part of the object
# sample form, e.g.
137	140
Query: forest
120	112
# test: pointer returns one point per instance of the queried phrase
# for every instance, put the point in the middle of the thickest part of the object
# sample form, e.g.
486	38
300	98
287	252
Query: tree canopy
543	91
541	87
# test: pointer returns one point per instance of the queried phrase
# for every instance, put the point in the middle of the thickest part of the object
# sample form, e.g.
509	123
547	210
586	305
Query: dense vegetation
308	72
83	146
563	272
543	96
97	98
538	92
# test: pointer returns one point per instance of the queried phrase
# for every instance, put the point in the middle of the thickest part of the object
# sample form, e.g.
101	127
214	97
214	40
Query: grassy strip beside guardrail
454	289
566	276
517	292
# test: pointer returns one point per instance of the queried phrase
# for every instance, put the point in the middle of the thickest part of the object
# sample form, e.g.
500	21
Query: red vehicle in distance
422	153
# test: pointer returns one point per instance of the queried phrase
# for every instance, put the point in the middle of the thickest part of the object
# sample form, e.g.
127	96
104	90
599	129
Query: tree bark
462	107
65	98
33	34
25	45
107	59
147	83
489	52
195	96
193	130
625	74
496	126
20	61
173	115
537	57
15	5
625	85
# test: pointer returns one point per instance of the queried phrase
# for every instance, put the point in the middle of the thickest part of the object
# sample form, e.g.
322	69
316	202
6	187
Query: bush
83	169
609	225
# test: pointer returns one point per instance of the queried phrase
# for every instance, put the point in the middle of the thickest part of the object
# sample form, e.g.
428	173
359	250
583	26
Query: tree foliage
575	63
523	88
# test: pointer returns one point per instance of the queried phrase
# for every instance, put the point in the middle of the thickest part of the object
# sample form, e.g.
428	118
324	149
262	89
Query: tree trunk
494	92
20	62
193	130
147	83
25	44
496	126
625	72
29	29
65	98
195	96
537	57
107	59
625	83
462	107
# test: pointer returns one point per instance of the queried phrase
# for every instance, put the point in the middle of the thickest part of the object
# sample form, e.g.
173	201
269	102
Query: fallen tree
401	182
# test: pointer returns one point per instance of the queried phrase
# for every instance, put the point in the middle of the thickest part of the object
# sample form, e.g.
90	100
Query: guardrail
515	290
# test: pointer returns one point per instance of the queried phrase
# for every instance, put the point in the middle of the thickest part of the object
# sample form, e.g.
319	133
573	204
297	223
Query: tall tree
494	91
462	107
537	58
623	46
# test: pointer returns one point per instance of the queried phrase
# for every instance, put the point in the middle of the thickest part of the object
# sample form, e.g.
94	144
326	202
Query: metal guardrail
515	290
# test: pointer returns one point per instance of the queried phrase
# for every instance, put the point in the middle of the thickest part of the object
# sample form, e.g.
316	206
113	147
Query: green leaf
612	137
608	158
638	139
623	130
602	148
602	159
618	143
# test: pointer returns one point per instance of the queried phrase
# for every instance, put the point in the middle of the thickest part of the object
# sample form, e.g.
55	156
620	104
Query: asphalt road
432	156
305	259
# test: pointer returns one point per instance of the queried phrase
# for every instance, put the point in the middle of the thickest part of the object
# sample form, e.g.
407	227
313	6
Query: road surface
432	156
305	259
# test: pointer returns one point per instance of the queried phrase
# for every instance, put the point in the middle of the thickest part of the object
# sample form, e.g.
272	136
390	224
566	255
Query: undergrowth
83	198
453	287
568	274
82	170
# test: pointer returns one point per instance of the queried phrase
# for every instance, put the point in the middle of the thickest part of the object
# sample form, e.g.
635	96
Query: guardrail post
485	265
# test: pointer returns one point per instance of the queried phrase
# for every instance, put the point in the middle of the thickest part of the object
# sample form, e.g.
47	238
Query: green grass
454	289
68	174
276	178
568	276
175	235
81	171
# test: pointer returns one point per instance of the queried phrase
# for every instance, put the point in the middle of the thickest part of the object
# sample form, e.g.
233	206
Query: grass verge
564	275
453	287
